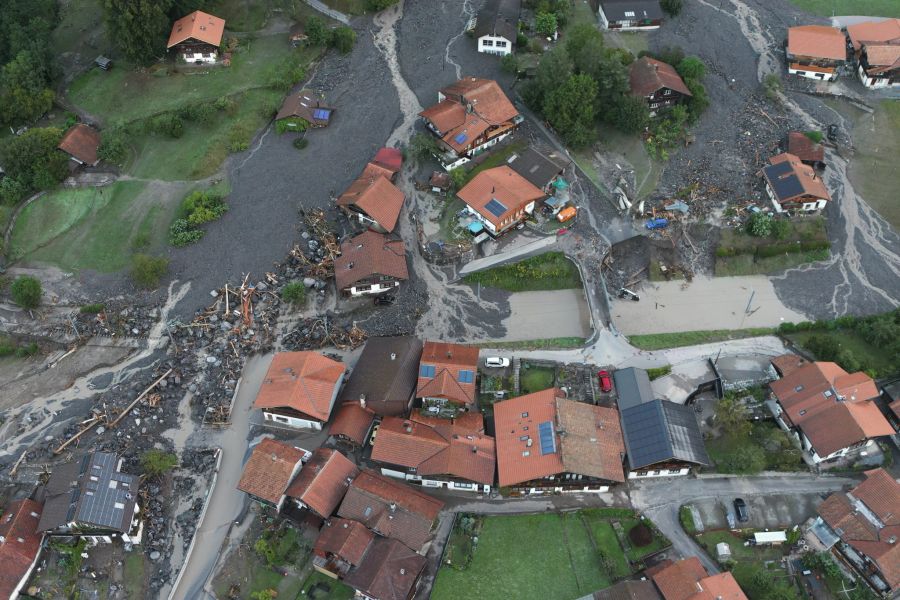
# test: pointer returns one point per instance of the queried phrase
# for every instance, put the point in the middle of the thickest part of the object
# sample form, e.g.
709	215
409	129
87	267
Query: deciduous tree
570	109
140	28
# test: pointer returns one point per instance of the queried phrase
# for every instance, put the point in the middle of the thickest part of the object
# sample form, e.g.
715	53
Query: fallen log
139	398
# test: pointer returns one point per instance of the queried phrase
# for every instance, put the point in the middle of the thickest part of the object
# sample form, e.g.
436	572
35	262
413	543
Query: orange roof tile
448	359
648	75
722	587
22	542
678	580
377	197
346	539
809	182
592	445
445	448
816	386
817	41
352	421
787	363
81	142
485	97
881	493
323	481
269	470
369	254
391	508
882	57
198	25
804	148
303	381
505	186
886	31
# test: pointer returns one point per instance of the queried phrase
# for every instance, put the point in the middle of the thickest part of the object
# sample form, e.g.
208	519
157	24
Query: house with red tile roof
879	65
500	198
387	162
657	82
546	443
81	142
341	545
373	201
471	116
322	482
300	389
436	452
269	470
687	579
389	571
352	423
447	375
863	527
370	263
803	147
391	508
831	412
793	186
20	545
815	51
196	38
885	31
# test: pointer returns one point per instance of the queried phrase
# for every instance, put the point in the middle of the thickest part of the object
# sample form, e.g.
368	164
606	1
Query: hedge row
770	250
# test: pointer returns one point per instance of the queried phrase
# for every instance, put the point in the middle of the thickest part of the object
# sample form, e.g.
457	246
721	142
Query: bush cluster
197	208
146	270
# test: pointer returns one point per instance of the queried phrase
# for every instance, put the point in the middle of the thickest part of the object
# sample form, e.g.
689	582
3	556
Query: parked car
496	361
740	509
605	381
567	213
658	223
383	300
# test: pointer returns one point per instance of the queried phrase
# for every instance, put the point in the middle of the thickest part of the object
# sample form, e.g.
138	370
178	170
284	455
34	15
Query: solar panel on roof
495	207
548	441
321	113
460	138
787	187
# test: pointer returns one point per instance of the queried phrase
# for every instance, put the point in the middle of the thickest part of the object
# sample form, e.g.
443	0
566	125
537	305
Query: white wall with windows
641	474
478	488
292	421
498	45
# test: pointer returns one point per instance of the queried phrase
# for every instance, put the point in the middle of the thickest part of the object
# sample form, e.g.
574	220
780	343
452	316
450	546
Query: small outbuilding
81	142
302	110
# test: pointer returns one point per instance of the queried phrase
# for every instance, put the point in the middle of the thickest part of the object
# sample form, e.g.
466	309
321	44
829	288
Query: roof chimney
393	356
474	449
362	400
403	571
274	457
393	506
892	539
407	426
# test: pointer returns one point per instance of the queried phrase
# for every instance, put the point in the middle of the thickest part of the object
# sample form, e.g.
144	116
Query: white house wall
817	75
488	44
659	473
194	57
375	288
292	421
477	488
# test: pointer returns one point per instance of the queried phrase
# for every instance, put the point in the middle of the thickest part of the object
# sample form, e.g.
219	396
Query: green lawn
88	228
348	7
660	341
549	343
535	379
548	556
777	448
449	224
868	355
549	271
79	28
242	15
750	561
828	8
749	252
497	158
123	94
134	574
202	148
336	590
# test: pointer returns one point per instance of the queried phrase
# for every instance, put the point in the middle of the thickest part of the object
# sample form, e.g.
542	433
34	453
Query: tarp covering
475	227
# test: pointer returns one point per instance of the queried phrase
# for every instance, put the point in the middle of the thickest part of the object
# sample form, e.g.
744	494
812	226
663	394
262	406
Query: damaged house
793	186
322	482
271	467
300	389
373	201
302	110
370	263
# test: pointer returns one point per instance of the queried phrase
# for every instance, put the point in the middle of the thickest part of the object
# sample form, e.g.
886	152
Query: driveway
660	500
778	511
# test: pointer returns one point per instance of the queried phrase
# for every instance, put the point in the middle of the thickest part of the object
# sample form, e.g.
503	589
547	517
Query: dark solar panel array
321	113
548	441
684	433
495	207
107	496
646	438
787	187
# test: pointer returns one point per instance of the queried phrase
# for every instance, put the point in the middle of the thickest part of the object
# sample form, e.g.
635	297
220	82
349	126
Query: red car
605	381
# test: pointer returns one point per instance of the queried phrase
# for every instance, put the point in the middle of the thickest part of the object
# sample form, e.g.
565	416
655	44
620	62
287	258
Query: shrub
157	462
285	74
657	372
26	291
146	270
423	146
291	124
113	147
545	23
27	350
781	229
672	7
772	86
316	31
509	64
759	225
815	136
182	233
202	207
226	104
92	309
294	293
377	5
301	143
342	39
238	138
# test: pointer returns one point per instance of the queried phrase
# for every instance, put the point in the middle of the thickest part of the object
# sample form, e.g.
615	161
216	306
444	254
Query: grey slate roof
632	387
539	169
660	431
630	590
643	9
91	493
499	18
387	383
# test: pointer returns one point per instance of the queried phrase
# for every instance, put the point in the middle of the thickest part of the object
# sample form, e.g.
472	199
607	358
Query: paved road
519	252
660	500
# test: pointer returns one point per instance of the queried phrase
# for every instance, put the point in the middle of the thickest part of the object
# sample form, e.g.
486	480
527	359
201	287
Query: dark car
605	381
740	509
383	300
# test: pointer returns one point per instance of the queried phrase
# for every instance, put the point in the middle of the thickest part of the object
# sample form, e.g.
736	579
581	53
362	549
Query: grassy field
549	343
548	556
828	8
750	561
497	158
876	141
78	31
746	247
867	354
134	577
243	15
660	341
87	228
336	589
549	271
535	379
